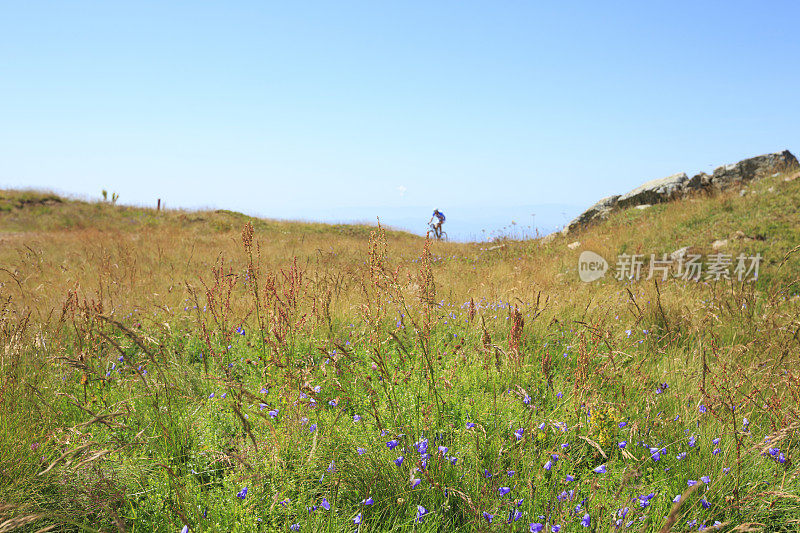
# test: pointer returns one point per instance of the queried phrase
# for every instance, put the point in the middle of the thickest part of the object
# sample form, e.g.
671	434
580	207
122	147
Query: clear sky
295	109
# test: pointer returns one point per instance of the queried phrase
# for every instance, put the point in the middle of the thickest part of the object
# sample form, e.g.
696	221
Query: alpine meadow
171	370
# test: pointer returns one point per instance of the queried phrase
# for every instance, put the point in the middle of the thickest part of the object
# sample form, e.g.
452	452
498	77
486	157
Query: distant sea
463	224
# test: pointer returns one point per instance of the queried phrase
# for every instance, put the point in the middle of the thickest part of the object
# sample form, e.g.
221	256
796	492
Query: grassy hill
163	369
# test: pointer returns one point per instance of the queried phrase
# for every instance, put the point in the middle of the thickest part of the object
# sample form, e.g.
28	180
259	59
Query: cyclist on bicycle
437	227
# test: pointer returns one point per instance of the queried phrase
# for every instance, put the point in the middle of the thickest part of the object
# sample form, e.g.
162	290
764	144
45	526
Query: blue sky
347	110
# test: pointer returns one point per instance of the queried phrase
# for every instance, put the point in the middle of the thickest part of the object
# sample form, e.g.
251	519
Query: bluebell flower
556	528
399	461
548	465
600	469
519	433
295	527
676	499
510	473
622	444
569	478
361	451
470	425
415	482
704	503
356	418
422	446
586	521
705	479
421	512
357	519
536	527
503	491
655	454
488	516
325	505
774	452
392	444
242	493
368	501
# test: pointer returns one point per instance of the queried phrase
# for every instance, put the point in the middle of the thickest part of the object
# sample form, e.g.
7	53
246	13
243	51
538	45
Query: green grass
131	400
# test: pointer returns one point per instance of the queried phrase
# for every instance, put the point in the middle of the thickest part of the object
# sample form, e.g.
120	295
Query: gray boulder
598	211
697	182
750	169
655	191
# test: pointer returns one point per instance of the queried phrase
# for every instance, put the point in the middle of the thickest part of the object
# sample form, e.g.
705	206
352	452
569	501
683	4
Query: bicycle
438	232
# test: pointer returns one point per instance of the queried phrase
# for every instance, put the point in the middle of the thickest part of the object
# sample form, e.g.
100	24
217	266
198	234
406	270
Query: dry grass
82	284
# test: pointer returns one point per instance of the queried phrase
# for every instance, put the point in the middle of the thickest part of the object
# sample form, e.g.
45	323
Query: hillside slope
213	372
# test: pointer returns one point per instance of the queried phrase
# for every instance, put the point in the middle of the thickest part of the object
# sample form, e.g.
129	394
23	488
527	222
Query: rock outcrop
600	210
680	185
654	191
750	169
